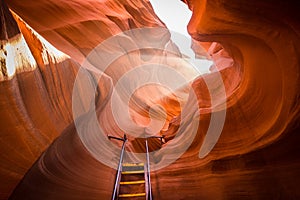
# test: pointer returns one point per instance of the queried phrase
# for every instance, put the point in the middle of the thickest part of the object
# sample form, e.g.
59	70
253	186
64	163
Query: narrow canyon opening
140	99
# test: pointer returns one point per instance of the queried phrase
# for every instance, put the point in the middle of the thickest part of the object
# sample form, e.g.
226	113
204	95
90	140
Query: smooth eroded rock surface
255	49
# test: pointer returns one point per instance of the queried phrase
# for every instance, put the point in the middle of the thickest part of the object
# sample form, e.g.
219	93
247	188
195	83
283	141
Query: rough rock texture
255	46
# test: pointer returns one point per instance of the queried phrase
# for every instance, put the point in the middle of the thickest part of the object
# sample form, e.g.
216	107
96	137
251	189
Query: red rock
255	49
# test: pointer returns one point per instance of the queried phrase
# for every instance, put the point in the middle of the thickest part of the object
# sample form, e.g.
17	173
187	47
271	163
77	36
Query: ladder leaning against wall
133	180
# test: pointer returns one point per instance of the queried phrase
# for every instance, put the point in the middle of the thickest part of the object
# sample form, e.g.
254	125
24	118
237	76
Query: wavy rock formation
255	49
77	27
57	76
35	98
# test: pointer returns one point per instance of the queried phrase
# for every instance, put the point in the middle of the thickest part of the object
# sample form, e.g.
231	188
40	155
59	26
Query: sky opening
176	15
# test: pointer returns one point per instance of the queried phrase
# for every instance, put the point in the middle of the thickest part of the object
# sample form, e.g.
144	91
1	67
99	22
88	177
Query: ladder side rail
118	177
148	171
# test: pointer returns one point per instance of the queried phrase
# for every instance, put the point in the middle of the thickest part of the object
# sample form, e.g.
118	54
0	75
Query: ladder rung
133	172
132	182
133	195
133	164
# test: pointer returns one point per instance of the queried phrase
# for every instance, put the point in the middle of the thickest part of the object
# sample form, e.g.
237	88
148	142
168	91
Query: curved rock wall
79	26
46	76
34	92
255	48
256	156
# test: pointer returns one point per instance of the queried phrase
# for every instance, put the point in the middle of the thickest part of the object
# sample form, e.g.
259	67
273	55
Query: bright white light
17	57
176	15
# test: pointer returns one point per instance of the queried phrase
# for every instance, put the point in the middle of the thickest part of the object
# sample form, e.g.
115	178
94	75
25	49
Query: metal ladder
133	180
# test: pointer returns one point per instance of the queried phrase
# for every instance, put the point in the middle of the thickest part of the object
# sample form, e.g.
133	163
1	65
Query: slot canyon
81	79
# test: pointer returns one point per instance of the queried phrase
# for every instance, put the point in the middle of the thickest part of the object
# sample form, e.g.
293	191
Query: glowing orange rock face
35	98
261	73
255	48
46	77
77	27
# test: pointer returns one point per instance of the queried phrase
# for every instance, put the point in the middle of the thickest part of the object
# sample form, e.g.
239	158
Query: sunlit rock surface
77	27
255	49
58	82
35	98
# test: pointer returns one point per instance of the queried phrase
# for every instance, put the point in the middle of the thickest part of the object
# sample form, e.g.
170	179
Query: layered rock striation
254	82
